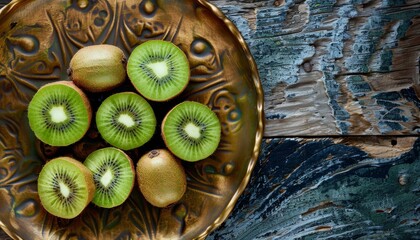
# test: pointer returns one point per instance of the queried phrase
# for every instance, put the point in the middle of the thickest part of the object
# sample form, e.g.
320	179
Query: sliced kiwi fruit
126	120
161	178
158	69
98	68
191	131
65	187
114	175
59	113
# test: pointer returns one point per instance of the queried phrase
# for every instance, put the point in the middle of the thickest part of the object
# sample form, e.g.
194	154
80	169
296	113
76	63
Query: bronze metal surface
38	39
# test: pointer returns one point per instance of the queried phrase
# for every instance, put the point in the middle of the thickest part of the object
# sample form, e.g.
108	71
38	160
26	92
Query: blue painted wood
322	63
318	189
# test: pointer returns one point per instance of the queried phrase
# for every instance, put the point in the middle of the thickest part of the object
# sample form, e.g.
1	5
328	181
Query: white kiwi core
64	189
192	130
106	178
160	69
127	120
58	114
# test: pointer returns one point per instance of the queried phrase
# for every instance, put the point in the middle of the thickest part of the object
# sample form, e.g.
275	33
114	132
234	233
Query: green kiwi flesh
158	69
161	178
59	113
126	120
114	175
98	68
65	187
191	131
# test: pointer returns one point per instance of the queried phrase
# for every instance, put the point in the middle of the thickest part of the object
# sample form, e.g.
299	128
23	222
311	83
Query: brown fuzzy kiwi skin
88	175
133	169
161	128
92	64
163	124
158	172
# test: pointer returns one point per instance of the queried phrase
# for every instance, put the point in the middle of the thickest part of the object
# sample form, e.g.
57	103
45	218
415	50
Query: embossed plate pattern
37	41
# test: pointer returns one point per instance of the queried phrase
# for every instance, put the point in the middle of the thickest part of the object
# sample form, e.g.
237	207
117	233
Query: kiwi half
126	120
59	113
98	68
191	131
65	187
161	178
158	69
113	173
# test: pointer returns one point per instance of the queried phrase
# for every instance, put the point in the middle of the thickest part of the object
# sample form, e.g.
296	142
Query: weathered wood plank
339	188
335	67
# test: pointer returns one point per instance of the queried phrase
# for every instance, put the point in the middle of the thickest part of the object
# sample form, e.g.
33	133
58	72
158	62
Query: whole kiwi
161	178
98	68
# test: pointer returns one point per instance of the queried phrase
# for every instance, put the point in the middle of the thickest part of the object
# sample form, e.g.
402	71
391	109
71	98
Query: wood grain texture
330	189
334	67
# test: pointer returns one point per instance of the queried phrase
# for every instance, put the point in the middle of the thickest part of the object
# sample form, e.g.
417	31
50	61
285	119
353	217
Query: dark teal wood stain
354	45
320	190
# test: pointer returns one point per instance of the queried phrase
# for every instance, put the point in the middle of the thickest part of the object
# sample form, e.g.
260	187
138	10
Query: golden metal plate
37	41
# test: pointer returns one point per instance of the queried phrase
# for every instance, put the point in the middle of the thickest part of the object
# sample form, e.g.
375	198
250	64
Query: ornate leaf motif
110	218
204	60
224	103
141	22
27	62
126	24
143	216
14	168
88	23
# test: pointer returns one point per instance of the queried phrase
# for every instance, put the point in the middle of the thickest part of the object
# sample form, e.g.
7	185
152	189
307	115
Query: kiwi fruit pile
128	101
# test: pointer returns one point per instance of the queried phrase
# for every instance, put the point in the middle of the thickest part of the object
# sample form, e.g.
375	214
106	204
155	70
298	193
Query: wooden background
341	154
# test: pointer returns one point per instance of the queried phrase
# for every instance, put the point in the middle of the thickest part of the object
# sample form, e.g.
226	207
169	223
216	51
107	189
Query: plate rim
260	112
